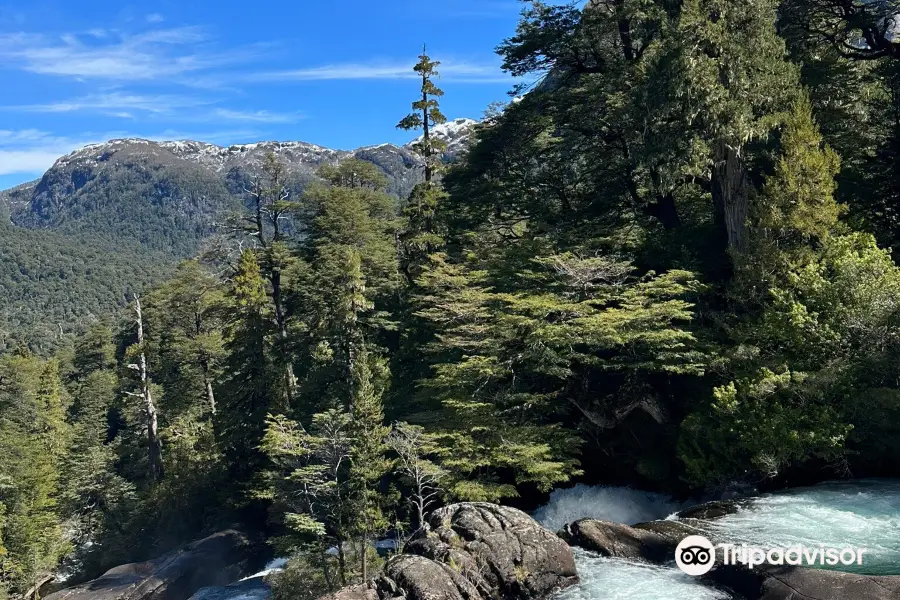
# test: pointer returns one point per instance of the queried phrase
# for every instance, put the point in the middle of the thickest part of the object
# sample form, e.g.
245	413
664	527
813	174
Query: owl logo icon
695	555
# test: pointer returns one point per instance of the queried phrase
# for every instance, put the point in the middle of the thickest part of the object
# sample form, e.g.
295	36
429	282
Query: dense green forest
116	218
667	263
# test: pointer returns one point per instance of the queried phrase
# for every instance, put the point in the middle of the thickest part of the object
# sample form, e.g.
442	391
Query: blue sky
336	74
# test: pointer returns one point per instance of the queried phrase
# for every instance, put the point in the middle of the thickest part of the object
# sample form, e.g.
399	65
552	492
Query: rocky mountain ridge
455	135
37	203
115	217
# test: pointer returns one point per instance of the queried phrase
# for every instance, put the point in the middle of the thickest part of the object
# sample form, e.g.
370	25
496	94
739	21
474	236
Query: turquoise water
615	578
618	579
860	514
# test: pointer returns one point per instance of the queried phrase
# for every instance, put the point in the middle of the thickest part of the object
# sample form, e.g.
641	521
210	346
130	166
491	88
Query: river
859	513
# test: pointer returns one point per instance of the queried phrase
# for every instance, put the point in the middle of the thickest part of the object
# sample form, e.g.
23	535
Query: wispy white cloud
150	55
456	71
172	107
118	102
13	162
32	151
258	116
155	18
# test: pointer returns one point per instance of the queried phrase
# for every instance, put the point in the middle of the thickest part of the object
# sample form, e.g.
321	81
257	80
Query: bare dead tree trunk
266	201
421	499
153	441
210	395
731	194
204	366
35	590
342	561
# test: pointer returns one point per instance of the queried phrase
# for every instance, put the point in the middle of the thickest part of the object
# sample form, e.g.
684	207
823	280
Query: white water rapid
863	513
616	578
617	504
619	579
249	588
858	513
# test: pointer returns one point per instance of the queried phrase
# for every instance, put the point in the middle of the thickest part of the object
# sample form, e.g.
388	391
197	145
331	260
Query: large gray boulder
792	583
653	541
501	550
419	577
618	540
217	560
801	583
474	551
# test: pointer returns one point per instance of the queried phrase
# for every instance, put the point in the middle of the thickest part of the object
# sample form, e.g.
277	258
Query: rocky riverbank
481	551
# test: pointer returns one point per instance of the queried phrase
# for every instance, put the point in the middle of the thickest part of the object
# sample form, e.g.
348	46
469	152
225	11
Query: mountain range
113	218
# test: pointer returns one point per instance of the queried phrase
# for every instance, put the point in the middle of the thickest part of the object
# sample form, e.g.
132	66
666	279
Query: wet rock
801	583
792	583
622	541
711	510
672	531
217	560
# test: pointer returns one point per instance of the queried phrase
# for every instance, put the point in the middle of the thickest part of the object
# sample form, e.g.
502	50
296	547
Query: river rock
672	531
474	551
420	578
793	583
711	510
505	553
615	539
802	583
217	560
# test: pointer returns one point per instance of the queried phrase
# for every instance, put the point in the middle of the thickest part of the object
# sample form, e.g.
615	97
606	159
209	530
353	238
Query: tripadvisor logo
696	555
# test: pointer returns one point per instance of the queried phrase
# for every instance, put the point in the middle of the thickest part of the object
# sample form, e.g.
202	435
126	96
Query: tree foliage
667	264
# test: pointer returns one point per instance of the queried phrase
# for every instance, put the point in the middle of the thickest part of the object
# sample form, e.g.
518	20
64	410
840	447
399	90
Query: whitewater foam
618	579
275	565
606	503
859	513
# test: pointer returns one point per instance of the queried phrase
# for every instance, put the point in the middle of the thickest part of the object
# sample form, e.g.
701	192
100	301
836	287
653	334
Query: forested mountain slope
672	267
111	218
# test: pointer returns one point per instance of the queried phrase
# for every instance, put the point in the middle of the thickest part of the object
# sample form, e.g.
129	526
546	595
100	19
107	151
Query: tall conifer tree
426	115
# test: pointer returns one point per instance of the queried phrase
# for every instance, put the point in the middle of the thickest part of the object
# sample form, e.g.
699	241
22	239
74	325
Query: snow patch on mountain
455	134
299	157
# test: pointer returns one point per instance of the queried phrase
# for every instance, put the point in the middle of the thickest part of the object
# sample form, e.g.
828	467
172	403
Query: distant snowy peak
217	158
454	129
455	134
